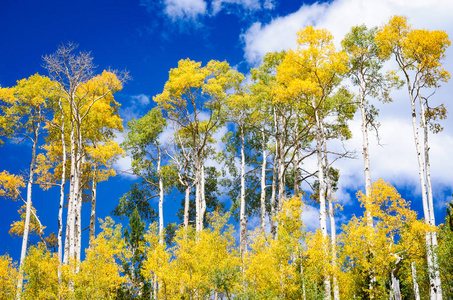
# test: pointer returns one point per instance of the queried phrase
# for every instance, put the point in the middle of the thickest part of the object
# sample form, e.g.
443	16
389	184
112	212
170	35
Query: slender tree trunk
322	199
78	245
243	218
161	198
93	208
296	160
432	220
263	184
198	195
333	230
414	281
62	185
366	157
203	197
281	176
69	236
302	275
273	196
426	208
186	206
28	208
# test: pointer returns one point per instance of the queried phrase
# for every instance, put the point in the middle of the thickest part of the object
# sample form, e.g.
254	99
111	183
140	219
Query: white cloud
395	160
185	9
250	5
142	99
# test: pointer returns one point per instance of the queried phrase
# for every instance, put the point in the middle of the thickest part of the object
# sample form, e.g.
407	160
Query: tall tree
80	90
311	73
418	53
364	70
25	107
193	98
142	141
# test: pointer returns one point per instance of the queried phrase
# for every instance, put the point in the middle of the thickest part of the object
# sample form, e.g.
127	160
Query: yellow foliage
272	266
17	228
198	263
10	185
8	278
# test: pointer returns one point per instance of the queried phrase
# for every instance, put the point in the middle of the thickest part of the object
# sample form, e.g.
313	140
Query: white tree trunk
263	184
62	185
198	192
426	208
333	230
366	158
161	198
243	218
186	206
203	198
322	199
414	281
93	209
78	245
273	196
69	236
432	220
28	208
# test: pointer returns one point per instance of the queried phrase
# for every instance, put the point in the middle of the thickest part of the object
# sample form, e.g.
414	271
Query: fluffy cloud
191	10
185	9
250	5
142	99
339	16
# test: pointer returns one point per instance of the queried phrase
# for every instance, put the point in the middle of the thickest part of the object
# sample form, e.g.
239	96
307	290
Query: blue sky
147	38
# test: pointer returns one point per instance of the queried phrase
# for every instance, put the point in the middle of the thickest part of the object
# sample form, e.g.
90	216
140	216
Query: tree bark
322	200
432	220
243	218
414	281
93	209
263	184
186	206
333	231
161	198
62	185
273	192
28	207
366	157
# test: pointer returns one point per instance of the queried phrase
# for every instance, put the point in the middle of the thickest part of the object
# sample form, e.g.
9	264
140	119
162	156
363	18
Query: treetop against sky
148	38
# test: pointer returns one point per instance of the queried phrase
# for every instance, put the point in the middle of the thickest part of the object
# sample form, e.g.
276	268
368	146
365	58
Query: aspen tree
80	90
25	107
418	53
310	74
193	98
142	141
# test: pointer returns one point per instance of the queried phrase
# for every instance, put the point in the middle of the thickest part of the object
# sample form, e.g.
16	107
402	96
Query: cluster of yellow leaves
17	227
10	185
97	277
310	73
189	81
418	49
272	266
373	251
8	278
198	263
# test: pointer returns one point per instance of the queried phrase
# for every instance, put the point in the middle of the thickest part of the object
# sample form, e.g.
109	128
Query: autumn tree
312	74
418	53
79	91
24	111
395	233
193	98
365	65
